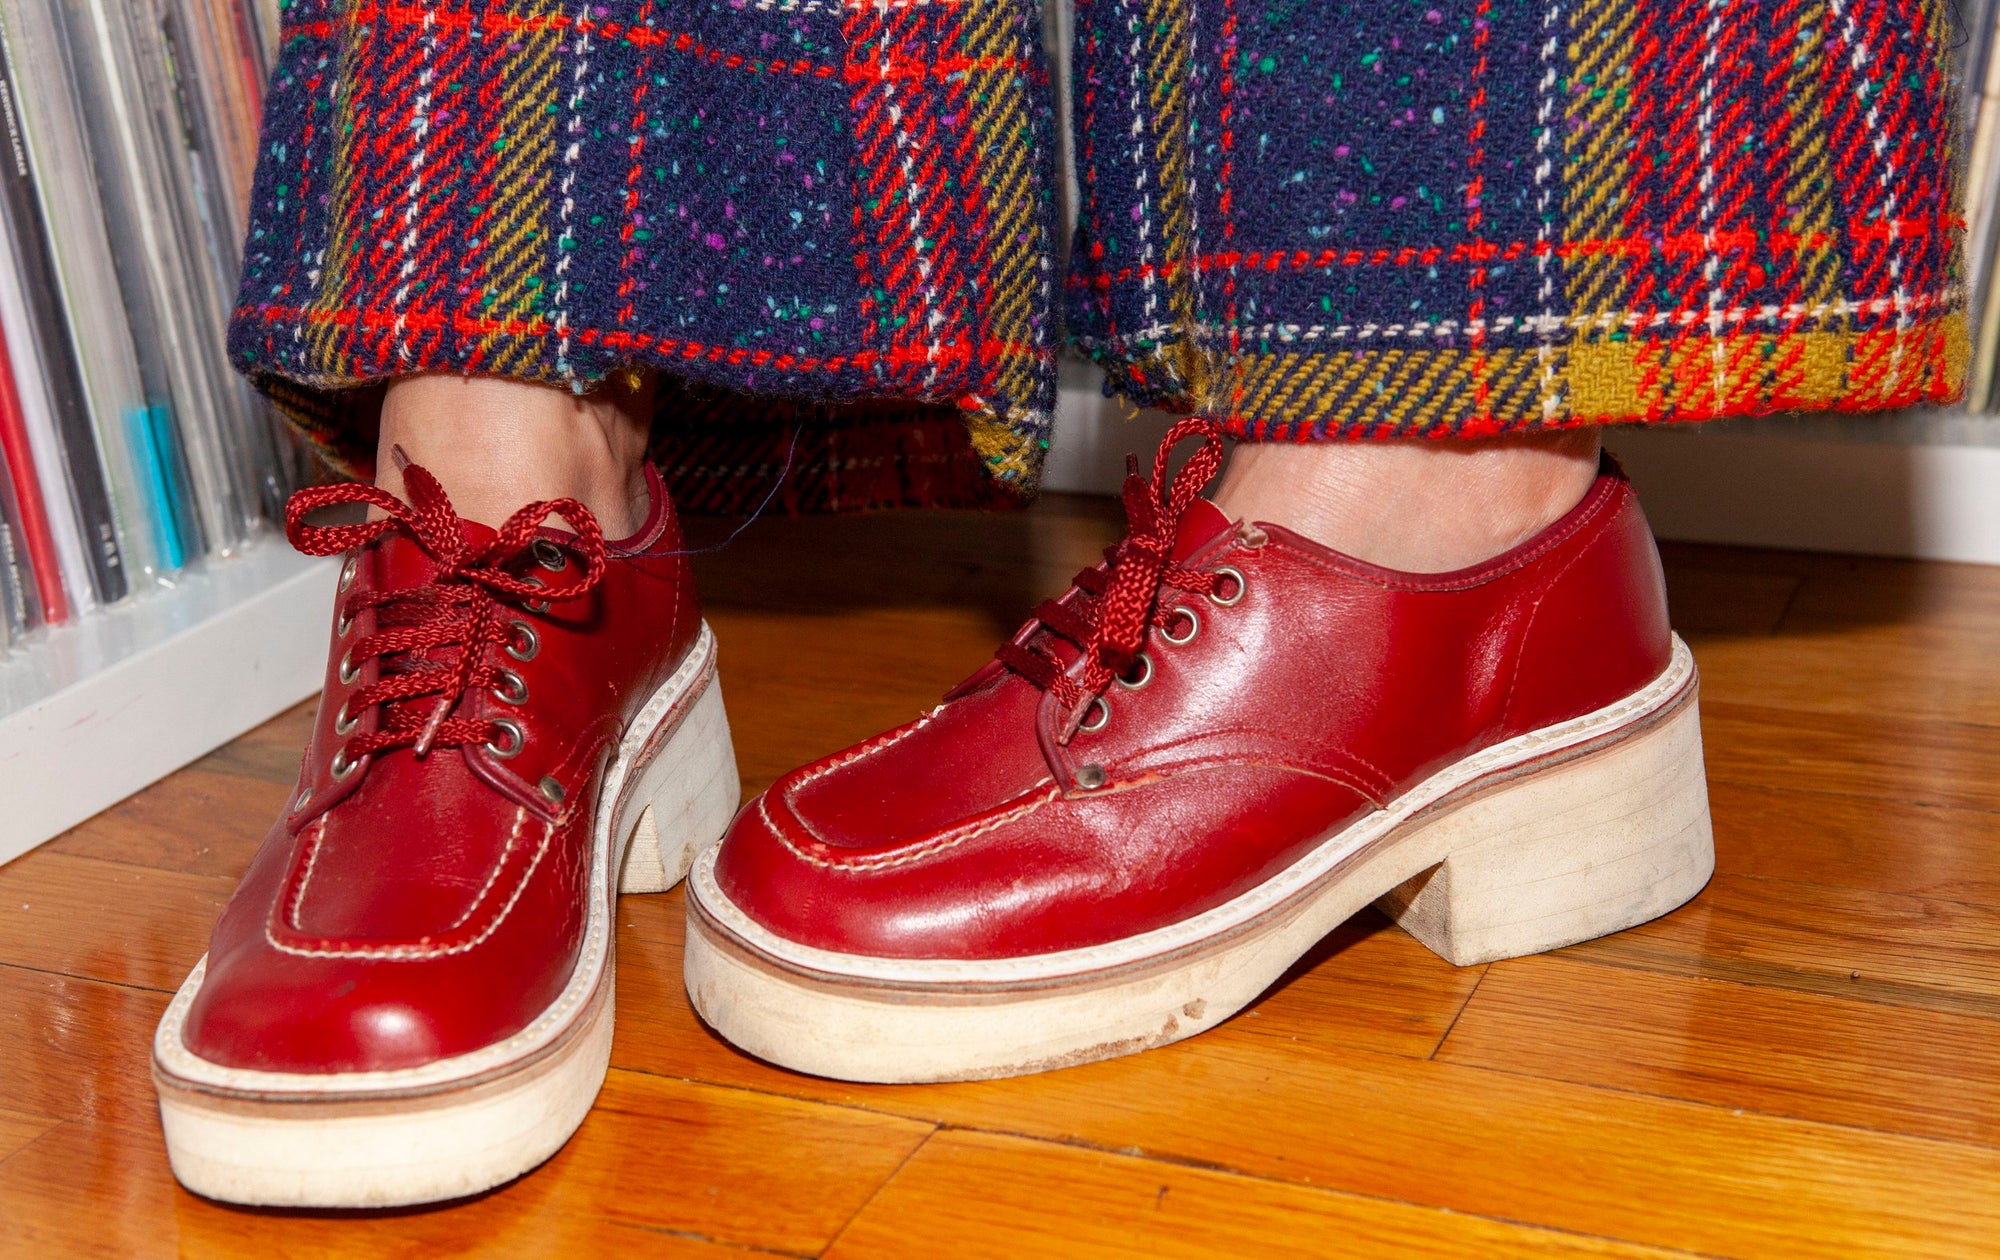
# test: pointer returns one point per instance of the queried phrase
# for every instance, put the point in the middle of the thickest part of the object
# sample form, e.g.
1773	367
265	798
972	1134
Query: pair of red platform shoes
1172	782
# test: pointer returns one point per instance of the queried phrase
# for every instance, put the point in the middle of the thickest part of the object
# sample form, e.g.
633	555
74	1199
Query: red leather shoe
1221	743
409	997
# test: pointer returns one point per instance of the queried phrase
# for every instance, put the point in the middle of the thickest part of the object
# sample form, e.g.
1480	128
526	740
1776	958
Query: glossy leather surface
1324	690
415	909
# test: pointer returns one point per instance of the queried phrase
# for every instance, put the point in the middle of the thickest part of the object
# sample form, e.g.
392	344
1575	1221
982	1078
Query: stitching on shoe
1161	774
900	857
1376	794
172	1052
805	778
418	953
1680	676
298	892
1521	646
1514	565
298	898
507	851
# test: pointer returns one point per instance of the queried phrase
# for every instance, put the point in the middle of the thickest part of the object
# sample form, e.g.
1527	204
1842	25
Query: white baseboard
96	710
1699	484
1926	502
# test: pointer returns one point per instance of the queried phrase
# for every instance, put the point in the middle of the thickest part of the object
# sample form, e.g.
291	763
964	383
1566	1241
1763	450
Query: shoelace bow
1120	599
456	608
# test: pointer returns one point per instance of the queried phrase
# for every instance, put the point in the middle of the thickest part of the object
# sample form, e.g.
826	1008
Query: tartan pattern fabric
1465	218
1310	220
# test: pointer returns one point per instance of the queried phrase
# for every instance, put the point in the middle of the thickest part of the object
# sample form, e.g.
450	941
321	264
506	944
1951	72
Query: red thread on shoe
454	609
1118	601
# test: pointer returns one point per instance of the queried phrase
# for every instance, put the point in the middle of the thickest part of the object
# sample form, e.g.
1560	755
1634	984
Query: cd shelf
148	612
92	711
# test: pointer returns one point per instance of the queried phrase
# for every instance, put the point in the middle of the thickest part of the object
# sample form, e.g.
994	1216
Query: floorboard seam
1967	1144
136	867
71	975
1458	1014
692	1235
1985	1008
1196	1165
894	1173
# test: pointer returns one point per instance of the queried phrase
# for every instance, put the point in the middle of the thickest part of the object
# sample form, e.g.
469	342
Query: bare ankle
497	444
1418	505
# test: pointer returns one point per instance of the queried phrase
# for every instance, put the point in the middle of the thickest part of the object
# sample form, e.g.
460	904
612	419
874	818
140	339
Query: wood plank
136	1211
1900	1070
78	1049
1707	602
1842	942
1367	986
1878	756
977	1196
106	920
18	1129
1917	673
199	821
1885	846
723	1164
1871	637
892	666
670	1158
1840	593
270	752
1432	1133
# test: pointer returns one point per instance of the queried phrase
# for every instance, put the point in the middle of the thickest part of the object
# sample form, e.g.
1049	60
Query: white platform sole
1561	835
462	1125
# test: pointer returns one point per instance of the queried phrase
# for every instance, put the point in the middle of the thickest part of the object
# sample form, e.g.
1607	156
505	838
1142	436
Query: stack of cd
128	448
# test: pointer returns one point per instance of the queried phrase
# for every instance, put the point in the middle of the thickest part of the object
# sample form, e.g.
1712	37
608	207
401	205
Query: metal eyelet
1091	776
513	689
341	766
348	670
1098	717
531	643
536	605
552	789
1145	664
347	572
1242	585
516	738
342	624
549	556
344	723
303	799
1194	626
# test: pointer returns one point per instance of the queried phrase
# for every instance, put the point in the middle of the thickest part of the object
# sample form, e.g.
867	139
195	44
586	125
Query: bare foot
498	444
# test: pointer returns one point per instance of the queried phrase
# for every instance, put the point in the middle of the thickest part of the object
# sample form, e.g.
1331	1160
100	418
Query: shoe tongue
1202	524
403	565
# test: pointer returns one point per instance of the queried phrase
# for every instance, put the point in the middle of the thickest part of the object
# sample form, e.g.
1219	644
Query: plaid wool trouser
836	221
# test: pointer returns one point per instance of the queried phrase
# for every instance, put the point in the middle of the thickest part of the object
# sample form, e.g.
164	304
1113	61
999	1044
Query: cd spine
62	373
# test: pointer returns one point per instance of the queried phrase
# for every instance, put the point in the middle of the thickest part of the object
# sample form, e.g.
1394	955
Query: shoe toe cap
255	1015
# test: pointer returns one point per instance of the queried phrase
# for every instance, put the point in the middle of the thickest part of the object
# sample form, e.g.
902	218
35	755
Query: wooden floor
1805	1061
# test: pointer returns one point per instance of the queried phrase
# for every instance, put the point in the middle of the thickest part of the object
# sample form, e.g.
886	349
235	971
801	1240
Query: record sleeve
33	532
69	454
18	611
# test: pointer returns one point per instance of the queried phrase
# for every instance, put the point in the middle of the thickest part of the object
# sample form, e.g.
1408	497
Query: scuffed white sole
465	1124
1564	834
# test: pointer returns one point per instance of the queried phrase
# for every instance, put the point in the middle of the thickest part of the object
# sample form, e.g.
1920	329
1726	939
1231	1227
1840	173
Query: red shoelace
458	608
1116	603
